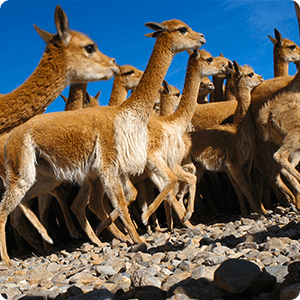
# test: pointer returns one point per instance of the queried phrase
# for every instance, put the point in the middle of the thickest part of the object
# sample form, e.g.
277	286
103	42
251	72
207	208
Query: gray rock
277	271
273	244
105	270
264	283
236	275
246	245
174	279
144	278
200	290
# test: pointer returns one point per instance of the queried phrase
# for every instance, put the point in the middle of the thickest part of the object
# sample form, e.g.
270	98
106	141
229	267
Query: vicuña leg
156	167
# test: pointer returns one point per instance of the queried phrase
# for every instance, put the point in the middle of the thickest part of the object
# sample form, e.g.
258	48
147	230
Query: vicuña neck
118	94
186	108
31	98
166	107
218	93
145	94
281	68
77	95
244	101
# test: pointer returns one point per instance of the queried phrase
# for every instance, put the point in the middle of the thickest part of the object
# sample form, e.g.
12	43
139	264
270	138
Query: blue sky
238	29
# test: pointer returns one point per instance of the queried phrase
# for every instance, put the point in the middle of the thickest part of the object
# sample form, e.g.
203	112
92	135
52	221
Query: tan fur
166	146
278	122
229	148
60	192
206	87
285	51
82	144
78	99
218	82
127	79
65	61
210	114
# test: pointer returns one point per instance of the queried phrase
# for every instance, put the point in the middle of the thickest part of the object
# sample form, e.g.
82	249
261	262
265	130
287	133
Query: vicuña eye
209	60
177	95
183	30
292	47
251	75
128	73
90	48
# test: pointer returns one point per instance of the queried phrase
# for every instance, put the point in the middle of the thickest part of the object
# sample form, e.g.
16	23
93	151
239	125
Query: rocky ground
257	257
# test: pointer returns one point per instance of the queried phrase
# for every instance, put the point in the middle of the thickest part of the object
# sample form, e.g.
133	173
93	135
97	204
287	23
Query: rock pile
257	257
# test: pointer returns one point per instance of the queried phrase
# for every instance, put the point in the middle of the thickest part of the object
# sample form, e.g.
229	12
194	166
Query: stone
105	270
138	247
290	292
236	275
294	271
264	283
246	245
277	271
144	278
174	279
273	244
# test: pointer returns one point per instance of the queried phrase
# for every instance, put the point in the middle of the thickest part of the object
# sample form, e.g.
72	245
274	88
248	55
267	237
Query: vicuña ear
297	9
278	36
65	98
87	99
159	28
62	25
46	36
166	87
97	95
274	41
236	67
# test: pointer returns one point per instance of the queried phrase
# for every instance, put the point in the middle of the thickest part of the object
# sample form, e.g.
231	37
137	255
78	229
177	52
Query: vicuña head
245	77
284	52
70	57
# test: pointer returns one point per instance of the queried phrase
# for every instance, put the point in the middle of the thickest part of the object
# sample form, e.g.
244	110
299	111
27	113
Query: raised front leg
191	181
282	156
156	169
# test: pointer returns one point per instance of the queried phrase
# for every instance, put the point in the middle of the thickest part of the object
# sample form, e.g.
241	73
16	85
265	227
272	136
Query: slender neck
217	94
202	97
118	94
183	115
145	94
166	106
281	68
230	90
43	86
244	101
77	93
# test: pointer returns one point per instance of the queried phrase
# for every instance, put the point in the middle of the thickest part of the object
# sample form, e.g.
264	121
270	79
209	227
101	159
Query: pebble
255	257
